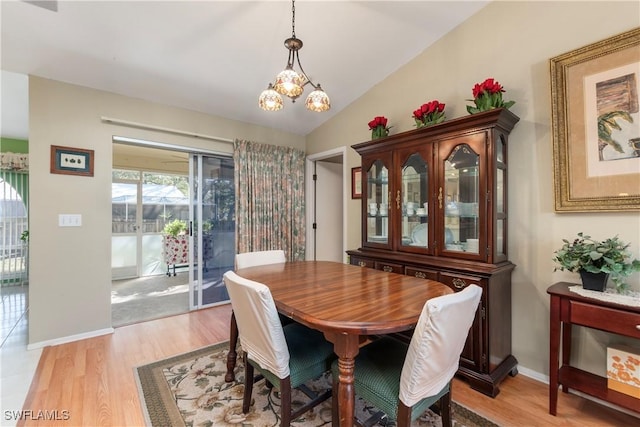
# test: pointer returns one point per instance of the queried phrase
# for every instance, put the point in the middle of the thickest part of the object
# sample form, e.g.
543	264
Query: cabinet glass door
500	208
461	198
413	195
378	203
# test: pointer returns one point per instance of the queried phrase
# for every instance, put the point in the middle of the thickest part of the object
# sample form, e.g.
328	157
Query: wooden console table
567	309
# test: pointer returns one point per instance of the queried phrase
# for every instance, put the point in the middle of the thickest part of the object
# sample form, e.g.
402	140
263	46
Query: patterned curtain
14	161
269	198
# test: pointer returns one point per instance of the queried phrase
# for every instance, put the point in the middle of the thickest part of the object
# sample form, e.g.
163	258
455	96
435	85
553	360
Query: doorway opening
172	231
326	194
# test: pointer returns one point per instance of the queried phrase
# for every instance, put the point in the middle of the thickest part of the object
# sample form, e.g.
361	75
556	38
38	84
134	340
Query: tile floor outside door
17	364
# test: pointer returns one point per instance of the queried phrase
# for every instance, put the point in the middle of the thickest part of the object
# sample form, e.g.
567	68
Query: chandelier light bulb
289	83
270	100
318	100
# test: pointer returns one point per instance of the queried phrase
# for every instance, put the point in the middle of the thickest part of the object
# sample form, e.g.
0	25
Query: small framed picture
71	161
356	183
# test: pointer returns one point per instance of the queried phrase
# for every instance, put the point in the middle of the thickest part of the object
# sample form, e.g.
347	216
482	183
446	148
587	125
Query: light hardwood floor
94	379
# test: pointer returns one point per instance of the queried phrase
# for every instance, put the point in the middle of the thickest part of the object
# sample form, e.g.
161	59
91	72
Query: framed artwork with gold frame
596	126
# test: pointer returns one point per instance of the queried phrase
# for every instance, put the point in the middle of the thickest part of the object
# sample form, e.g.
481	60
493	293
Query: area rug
189	390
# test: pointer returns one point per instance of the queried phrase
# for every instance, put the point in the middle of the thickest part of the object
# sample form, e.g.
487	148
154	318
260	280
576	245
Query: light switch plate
70	220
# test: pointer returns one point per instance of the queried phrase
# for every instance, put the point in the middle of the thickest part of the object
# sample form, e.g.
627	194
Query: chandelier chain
293	19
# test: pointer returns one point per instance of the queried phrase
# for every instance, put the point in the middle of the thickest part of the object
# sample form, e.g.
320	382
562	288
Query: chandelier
291	83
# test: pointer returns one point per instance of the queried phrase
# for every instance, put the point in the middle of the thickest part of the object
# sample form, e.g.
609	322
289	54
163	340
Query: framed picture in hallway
356	183
596	126
71	161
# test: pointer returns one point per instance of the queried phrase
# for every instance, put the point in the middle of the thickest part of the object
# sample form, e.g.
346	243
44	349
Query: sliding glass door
125	224
212	226
143	203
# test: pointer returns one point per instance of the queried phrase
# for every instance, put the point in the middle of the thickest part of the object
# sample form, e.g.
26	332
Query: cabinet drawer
421	273
607	319
362	262
389	267
458	282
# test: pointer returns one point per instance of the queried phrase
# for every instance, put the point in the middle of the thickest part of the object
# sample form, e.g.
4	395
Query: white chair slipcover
433	354
261	331
251	259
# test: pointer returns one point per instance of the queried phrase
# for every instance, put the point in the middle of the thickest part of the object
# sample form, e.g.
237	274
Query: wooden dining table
347	303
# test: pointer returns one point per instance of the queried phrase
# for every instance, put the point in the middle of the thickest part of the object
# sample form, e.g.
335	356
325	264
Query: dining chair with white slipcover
245	260
403	380
286	356
252	259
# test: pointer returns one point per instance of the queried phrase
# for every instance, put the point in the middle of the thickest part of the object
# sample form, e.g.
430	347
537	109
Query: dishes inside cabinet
448	236
419	235
468	209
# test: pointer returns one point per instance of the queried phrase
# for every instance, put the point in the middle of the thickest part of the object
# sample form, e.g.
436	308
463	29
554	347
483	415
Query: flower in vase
378	127
487	96
429	114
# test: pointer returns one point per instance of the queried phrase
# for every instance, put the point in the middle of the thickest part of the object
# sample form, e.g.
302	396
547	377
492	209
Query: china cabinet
434	205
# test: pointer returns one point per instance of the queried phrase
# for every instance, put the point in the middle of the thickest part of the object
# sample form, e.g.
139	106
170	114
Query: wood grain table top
336	297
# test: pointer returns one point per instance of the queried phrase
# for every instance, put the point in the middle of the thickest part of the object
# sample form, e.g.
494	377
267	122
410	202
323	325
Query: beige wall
70	268
512	42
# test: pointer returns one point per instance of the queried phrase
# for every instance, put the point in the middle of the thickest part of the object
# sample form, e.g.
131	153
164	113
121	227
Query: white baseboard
71	338
533	374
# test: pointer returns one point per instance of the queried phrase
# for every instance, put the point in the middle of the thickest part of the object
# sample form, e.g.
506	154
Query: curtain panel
270	213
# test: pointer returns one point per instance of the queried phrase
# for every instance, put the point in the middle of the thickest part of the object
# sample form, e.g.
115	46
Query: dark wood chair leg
232	355
285	402
445	409
248	384
404	415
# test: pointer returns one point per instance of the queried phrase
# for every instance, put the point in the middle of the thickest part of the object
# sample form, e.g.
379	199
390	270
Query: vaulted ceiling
217	56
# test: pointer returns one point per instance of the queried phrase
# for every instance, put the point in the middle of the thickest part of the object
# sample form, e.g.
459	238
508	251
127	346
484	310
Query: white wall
512	42
70	268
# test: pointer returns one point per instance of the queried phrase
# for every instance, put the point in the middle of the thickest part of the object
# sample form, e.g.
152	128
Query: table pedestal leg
346	347
346	393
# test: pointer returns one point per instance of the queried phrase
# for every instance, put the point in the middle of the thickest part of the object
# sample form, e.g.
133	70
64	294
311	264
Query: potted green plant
597	260
175	228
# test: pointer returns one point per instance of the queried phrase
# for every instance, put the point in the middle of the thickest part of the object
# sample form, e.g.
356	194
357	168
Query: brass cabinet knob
459	283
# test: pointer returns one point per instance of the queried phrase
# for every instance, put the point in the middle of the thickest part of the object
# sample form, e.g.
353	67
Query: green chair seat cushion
310	355
377	377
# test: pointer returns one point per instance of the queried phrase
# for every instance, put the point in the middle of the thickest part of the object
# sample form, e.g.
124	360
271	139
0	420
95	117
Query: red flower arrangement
378	127
429	114
487	96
